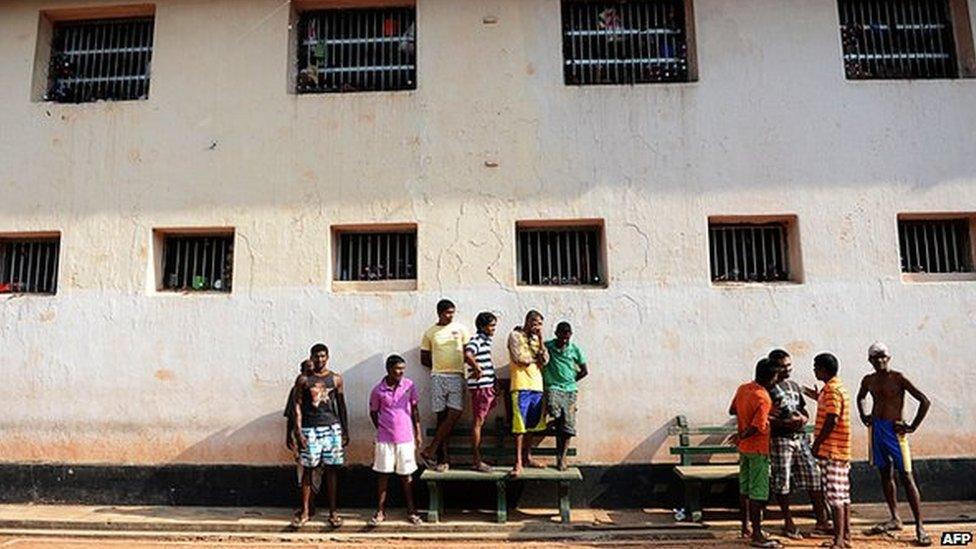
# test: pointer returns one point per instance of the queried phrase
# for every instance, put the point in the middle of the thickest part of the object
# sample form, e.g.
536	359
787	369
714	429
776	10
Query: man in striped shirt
832	444
481	381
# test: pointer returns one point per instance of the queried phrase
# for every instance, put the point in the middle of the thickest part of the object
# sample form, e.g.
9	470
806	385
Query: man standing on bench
889	444
567	365
442	350
751	407
528	356
481	382
791	460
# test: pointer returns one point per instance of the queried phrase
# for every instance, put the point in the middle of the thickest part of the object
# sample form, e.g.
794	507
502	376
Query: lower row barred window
29	265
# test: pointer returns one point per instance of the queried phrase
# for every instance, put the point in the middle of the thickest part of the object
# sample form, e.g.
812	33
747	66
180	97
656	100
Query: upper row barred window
353	50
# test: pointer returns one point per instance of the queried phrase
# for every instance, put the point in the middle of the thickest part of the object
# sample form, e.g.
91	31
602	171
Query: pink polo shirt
393	407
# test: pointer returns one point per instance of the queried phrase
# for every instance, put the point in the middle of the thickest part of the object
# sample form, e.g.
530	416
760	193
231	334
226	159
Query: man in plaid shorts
792	464
832	445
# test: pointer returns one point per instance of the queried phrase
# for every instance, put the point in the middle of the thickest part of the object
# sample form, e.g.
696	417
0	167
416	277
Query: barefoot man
528	355
888	436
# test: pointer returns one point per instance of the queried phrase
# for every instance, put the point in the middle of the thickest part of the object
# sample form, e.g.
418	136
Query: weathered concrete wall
110	371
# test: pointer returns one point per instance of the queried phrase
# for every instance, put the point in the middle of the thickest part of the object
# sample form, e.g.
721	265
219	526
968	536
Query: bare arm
518	352
415	416
375	418
583	372
341	407
472	363
923	404
425	359
299	395
862	394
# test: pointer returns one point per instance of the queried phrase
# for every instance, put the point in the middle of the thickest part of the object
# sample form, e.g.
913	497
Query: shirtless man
889	444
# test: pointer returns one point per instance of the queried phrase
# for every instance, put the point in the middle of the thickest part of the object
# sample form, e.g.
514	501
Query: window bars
105	59
559	257
370	256
198	263
935	246
897	39
29	266
350	50
624	42
748	253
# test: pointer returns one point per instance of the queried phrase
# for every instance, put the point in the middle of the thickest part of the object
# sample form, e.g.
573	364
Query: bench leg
693	500
434	508
502	506
564	502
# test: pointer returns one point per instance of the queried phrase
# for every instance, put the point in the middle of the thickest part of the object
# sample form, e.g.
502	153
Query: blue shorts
886	447
324	446
527	412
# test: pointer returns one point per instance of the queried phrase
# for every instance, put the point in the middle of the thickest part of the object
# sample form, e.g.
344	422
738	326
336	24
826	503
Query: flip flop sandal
883	528
792	534
415	519
297	522
375	521
335	521
482	468
924	540
766	544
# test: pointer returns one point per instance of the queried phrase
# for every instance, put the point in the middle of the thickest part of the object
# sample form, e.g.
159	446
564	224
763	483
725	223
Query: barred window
29	265
352	50
742	252
559	256
198	262
935	246
372	256
897	39
105	59
625	41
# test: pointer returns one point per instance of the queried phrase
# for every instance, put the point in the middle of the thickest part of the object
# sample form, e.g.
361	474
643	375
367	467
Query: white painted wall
110	371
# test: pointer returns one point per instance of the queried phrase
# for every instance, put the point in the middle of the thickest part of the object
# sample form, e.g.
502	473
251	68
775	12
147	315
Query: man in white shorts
393	409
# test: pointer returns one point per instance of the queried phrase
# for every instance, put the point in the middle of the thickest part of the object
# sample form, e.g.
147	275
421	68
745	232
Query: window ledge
778	284
186	293
911	278
366	286
556	288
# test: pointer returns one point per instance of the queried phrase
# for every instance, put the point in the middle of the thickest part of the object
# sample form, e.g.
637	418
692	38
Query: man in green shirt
566	366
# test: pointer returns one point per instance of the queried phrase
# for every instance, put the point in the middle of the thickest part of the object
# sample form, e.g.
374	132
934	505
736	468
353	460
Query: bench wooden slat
715	430
707	472
702	450
508	451
499	473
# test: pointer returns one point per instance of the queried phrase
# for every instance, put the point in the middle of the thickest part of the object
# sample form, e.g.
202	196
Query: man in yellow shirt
442	350
528	356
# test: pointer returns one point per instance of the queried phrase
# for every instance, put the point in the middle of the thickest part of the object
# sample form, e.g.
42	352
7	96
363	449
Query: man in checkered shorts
832	445
792	463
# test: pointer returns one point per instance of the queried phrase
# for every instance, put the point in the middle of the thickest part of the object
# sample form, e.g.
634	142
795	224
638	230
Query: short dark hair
563	326
827	362
484	319
318	348
393	360
532	314
444	305
765	370
777	355
305	365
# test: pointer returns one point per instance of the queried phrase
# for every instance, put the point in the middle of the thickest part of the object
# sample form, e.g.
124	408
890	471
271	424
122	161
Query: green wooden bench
693	475
496	444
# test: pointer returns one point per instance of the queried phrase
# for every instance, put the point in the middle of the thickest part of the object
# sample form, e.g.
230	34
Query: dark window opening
935	246
371	256
748	253
29	266
897	39
559	257
625	42
198	263
354	50
100	60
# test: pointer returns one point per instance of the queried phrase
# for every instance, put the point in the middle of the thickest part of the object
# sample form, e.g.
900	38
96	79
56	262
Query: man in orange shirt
751	406
832	445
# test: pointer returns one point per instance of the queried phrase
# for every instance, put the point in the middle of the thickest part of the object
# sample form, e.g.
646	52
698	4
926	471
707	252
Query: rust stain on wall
798	347
165	375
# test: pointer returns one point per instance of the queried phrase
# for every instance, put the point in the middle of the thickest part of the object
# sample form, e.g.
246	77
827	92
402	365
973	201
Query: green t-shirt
560	373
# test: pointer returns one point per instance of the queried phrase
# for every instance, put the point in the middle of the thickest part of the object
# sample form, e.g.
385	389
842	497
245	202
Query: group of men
543	385
775	453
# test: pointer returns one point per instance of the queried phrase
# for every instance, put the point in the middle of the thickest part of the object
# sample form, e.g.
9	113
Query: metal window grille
624	41
897	39
935	246
103	59
350	50
559	257
748	253
371	256
198	263
29	265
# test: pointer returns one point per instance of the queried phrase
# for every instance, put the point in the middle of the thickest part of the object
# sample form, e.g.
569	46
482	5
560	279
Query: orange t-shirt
834	399
752	405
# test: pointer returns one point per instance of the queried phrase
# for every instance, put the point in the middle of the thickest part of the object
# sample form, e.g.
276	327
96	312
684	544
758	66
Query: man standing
321	429
567	365
481	382
888	441
832	445
751	406
528	356
442	350
791	461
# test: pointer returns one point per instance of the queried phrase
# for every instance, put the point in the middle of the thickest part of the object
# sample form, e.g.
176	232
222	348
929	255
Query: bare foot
516	471
535	464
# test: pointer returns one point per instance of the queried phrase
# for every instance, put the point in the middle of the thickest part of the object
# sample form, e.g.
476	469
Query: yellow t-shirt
446	346
526	374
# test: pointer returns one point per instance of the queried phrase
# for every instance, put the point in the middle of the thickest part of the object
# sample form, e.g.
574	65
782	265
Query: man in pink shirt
393	409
